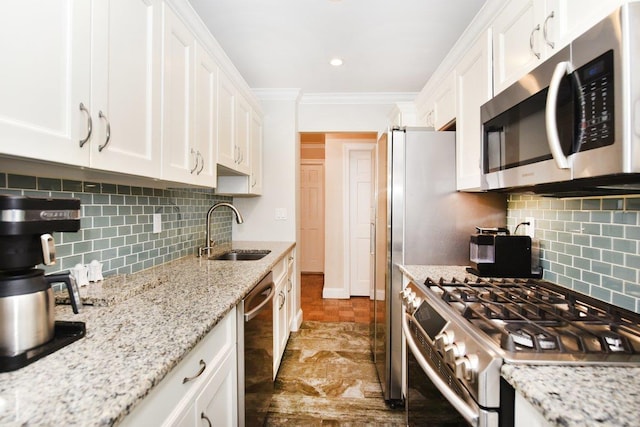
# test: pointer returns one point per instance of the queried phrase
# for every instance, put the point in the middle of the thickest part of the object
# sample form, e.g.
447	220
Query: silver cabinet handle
201	157
89	125
282	300
195	156
290	285
537	28
108	138
203	366
204	417
544	30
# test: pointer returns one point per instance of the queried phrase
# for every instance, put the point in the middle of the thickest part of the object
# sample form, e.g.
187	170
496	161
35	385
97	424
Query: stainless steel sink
241	255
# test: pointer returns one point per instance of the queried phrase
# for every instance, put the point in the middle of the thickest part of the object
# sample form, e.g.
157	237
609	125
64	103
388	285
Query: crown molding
285	94
357	98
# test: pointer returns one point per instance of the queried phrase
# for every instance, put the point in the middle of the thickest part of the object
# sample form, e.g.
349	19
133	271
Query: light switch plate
281	214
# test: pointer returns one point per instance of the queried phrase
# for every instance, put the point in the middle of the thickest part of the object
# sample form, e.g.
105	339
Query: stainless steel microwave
575	119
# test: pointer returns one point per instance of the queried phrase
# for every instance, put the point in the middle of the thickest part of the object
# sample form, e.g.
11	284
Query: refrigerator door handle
372	238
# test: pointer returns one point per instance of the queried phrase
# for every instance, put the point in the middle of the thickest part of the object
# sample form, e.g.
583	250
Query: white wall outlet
157	223
281	214
530	229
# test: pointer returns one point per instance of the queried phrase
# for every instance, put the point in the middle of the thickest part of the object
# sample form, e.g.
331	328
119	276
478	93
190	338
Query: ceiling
388	46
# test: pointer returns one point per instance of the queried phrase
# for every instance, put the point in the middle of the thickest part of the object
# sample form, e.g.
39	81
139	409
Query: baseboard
335	293
297	321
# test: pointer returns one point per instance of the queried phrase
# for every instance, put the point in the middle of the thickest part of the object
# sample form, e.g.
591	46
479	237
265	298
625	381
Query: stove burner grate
529	315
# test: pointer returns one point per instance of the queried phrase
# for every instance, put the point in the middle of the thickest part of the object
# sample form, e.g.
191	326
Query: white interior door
312	217
360	203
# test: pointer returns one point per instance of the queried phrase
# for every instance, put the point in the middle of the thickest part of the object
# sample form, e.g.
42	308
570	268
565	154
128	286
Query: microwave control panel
595	103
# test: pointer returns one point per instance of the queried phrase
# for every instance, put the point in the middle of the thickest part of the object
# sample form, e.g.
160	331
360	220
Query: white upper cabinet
189	108
126	65
45	48
473	88
82	85
227	153
242	135
206	118
179	162
444	106
525	33
255	183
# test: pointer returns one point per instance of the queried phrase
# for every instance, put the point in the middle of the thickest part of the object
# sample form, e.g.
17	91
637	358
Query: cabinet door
242	135
227	153
291	293
179	161
255	183
217	404
516	47
126	86
473	88
279	322
45	48
445	103
206	118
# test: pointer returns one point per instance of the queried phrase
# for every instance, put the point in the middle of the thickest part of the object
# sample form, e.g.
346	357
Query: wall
280	159
116	224
588	244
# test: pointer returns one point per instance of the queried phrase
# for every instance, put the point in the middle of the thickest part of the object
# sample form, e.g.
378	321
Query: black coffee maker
28	330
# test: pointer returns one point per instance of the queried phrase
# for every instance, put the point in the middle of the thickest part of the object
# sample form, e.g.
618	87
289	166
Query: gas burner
535	316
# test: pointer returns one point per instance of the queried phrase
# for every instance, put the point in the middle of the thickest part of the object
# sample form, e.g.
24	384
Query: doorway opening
337	183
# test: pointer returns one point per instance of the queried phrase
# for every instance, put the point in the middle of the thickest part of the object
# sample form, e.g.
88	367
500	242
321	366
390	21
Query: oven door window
517	137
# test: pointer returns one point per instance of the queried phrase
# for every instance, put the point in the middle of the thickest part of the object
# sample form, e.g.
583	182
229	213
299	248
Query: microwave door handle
553	139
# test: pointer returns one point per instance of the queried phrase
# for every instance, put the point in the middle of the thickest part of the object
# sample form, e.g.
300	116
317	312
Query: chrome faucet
208	241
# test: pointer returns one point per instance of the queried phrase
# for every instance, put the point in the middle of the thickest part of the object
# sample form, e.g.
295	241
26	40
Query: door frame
346	177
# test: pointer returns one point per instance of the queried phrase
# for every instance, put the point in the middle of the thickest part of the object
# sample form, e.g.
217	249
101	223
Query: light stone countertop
132	341
567	396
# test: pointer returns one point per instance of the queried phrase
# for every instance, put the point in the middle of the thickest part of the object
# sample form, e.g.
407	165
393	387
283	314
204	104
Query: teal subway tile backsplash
116	224
588	244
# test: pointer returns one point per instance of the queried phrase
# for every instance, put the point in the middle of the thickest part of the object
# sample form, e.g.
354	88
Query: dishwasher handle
266	284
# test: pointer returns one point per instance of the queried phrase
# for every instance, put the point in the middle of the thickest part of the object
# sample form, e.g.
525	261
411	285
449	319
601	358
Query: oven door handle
469	413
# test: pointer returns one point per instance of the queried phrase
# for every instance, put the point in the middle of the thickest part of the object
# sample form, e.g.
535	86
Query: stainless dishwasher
255	353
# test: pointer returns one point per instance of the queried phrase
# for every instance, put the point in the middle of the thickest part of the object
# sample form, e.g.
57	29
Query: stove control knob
443	339
415	303
453	352
407	295
467	368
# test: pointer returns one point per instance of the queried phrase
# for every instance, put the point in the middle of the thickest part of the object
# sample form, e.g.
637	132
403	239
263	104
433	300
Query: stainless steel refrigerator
420	218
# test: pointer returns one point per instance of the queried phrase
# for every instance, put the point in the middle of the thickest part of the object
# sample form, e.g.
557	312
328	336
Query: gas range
465	330
529	320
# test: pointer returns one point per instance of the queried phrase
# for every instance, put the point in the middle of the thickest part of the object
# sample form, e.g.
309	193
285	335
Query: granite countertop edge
565	395
132	342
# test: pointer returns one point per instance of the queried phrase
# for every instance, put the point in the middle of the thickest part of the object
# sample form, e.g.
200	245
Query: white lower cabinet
204	382
284	306
526	415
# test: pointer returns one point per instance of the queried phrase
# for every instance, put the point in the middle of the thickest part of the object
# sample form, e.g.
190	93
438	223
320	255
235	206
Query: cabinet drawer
279	269
187	378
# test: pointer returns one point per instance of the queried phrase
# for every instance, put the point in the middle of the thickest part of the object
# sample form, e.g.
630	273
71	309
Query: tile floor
327	376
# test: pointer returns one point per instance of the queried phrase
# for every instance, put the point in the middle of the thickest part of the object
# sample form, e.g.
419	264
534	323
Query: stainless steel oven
575	119
461	332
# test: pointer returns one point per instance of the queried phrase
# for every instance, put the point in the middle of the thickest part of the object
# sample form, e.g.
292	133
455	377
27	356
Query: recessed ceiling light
336	62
